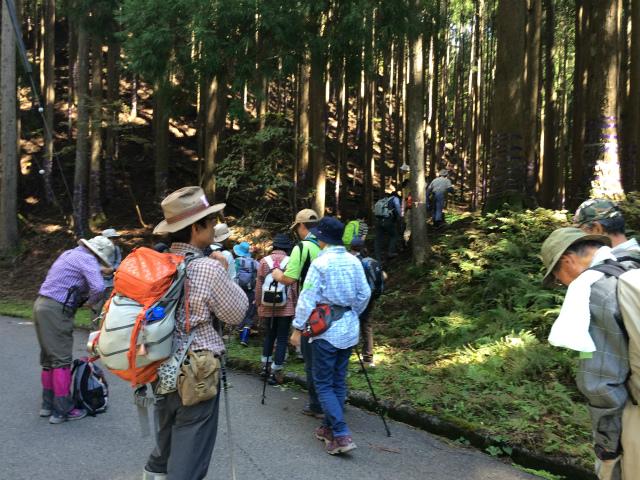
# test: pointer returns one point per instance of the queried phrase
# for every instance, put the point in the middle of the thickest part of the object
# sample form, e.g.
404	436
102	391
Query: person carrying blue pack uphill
335	280
387	210
74	278
246	272
186	434
591	323
439	187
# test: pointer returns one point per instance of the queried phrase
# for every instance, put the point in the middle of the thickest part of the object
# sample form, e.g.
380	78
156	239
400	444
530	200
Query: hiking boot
75	414
306	410
340	444
46	410
265	371
276	378
324	433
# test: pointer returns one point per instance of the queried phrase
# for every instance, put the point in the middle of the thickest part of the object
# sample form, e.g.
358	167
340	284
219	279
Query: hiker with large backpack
387	211
276	303
335	292
601	323
246	273
376	277
187	427
302	255
357	228
74	280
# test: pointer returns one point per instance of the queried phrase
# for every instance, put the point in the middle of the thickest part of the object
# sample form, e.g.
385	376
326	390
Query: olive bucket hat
556	244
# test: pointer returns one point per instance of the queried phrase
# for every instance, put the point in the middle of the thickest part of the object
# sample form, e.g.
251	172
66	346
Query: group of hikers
321	288
318	277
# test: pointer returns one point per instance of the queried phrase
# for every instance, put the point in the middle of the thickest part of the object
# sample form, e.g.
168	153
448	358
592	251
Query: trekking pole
223	370
372	392
270	350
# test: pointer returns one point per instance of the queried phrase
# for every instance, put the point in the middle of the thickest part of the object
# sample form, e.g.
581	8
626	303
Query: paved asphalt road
272	441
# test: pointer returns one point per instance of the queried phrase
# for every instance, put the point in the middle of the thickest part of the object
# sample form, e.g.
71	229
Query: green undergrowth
466	335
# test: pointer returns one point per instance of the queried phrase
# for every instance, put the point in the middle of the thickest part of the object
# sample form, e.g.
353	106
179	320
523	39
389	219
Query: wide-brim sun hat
329	230
221	232
242	249
404	168
282	241
357	242
184	207
443	173
304	216
101	247
110	233
556	244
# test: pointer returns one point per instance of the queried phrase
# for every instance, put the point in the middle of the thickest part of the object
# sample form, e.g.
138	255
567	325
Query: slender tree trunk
344	100
382	165
578	102
507	172
81	176
316	98
303	167
530	139
397	122
48	67
95	207
9	238
340	159
72	92
113	95
161	137
548	170
416	139
435	68
624	147
216	125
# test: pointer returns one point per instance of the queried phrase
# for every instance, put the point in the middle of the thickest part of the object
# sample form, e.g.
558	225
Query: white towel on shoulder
571	329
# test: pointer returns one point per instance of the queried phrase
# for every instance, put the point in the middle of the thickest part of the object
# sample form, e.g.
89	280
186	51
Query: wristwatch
604	454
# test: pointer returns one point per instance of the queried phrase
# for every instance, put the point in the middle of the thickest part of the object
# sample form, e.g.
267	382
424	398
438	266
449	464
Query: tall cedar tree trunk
549	188
397	122
95	207
81	176
435	67
215	128
49	94
72	90
578	101
382	165
317	99
340	159
530	142
161	137
633	115
476	102
415	104
9	238
113	95
600	148
624	153
344	144
303	166
507	172
443	113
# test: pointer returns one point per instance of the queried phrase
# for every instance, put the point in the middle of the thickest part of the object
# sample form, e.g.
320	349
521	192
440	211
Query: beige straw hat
183	208
101	247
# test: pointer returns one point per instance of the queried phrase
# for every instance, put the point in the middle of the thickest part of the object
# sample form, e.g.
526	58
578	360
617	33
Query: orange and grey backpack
138	320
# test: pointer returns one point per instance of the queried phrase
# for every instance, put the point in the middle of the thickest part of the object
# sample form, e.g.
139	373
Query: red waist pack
321	318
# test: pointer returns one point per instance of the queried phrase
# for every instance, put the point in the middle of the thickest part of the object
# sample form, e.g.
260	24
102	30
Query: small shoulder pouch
168	370
198	377
321	319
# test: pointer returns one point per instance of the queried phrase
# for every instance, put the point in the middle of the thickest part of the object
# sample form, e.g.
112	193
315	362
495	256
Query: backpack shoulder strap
610	267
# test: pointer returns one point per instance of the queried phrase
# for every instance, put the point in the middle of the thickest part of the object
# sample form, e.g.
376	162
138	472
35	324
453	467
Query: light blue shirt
335	277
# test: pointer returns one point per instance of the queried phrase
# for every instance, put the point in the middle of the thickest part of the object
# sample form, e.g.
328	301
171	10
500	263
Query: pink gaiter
47	379
61	381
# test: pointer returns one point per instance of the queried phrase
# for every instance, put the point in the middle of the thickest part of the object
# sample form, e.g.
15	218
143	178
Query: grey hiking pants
54	330
186	437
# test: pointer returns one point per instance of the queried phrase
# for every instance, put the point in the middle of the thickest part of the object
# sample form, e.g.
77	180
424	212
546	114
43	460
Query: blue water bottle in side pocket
155	313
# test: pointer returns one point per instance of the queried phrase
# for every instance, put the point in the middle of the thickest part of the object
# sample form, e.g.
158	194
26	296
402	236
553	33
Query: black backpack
375	276
90	388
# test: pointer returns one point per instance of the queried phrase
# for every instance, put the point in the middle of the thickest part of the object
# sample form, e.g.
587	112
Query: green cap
559	240
595	209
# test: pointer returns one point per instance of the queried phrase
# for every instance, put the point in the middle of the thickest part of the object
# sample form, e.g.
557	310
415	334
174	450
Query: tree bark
95	207
548	171
530	143
48	67
9	238
633	116
578	101
303	166
81	176
113	95
161	137
507	172
318	155
415	111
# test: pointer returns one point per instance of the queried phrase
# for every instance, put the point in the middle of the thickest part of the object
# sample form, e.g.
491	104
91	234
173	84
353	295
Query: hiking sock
62	400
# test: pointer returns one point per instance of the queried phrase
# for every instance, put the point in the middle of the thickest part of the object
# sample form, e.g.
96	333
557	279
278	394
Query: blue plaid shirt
335	278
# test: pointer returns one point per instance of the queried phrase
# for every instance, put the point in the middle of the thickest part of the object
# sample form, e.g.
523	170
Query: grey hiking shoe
306	410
